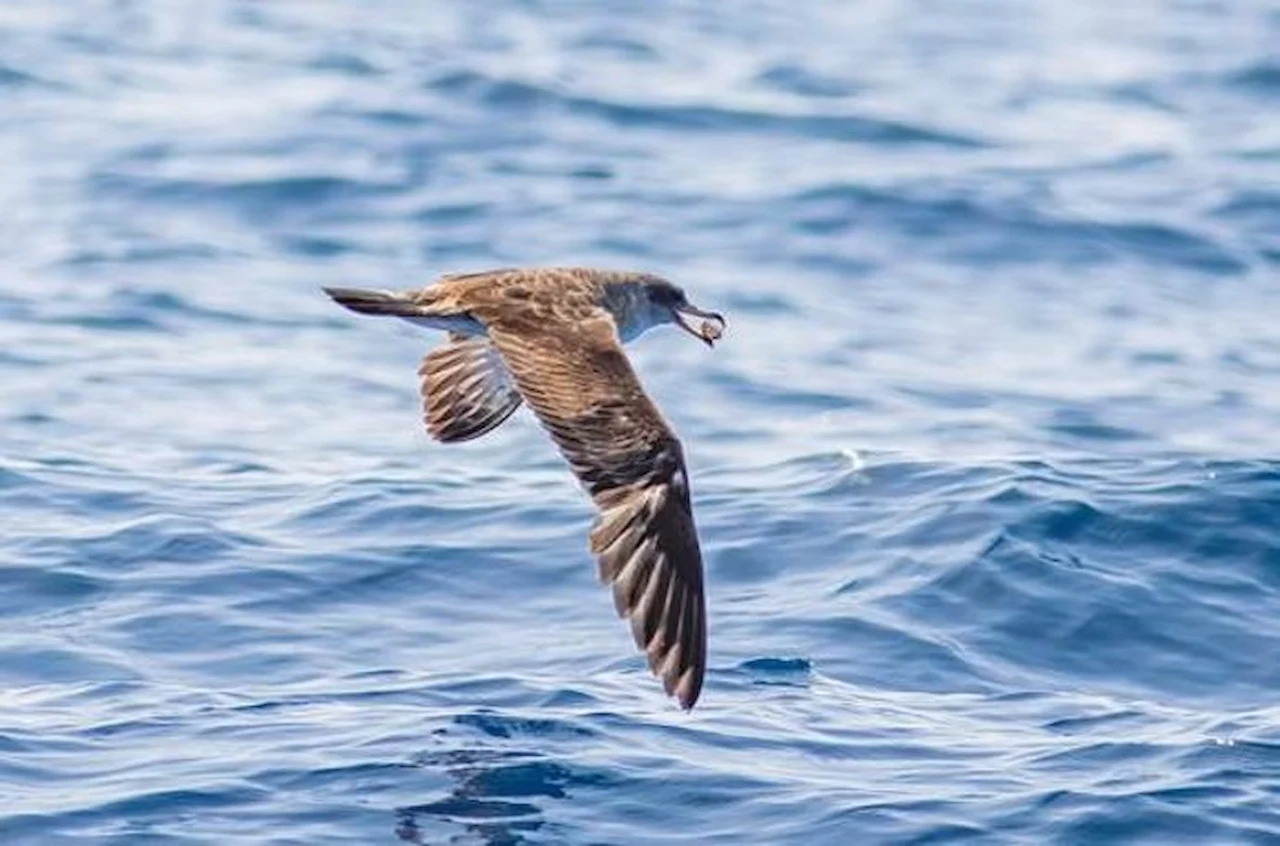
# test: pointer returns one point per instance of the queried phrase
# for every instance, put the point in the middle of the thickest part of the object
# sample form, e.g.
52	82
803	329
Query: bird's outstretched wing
466	390
583	390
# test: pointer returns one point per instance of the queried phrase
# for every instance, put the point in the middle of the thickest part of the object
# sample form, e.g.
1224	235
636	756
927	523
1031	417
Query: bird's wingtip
687	689
365	301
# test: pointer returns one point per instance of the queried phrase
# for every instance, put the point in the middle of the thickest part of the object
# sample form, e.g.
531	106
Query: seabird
552	337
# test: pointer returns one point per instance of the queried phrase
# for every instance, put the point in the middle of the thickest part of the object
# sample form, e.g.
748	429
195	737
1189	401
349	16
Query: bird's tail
375	302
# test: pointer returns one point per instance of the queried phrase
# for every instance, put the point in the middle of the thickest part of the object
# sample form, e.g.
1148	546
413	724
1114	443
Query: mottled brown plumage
466	390
553	337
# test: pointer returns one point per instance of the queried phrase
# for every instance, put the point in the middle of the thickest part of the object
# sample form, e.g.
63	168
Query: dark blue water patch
878	823
1114	755
1254	214
925	482
1166	550
15	78
12	744
1194	795
837	208
118	321
393	515
315	246
798	80
68	495
616	44
1130	819
1261	78
461	809
594	172
368	577
1255	206
393	694
324	777
1113	555
15	308
140	543
23	666
565	698
862	650
232	467
167	304
1146	95
774	672
185	629
345	63
468	757
156	807
267	200
534	778
268	588
1158	358
1165	243
777	666
1260	360
143	250
1078	426
37	590
520	97
1240	763
491	791
960	399
136	728
1086	725
389	118
11	479
506	726
985	232
741	558
453	213
476	817
501	789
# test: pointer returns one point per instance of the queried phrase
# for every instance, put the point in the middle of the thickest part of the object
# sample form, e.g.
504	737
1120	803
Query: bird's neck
634	322
631	313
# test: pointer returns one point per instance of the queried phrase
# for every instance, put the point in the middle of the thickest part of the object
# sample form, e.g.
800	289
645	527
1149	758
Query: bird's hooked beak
712	327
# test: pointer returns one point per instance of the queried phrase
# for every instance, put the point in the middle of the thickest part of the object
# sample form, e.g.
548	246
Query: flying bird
552	337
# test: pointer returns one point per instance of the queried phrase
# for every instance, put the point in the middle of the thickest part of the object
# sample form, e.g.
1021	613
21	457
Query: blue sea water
987	468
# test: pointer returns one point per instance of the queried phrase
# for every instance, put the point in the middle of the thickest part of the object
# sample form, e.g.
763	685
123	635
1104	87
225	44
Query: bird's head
653	301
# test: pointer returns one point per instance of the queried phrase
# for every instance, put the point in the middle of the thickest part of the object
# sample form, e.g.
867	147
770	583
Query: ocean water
987	467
